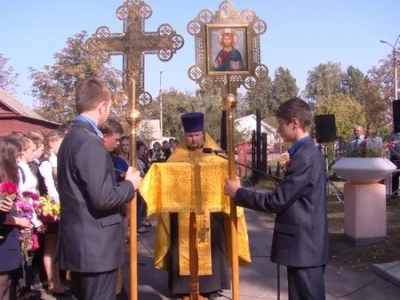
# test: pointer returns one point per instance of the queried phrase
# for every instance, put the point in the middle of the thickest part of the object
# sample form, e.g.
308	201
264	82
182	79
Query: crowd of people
85	168
30	162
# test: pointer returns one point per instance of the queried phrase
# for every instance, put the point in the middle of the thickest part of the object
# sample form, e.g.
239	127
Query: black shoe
212	296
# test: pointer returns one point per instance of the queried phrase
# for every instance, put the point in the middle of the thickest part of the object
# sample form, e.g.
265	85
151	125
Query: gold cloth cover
191	181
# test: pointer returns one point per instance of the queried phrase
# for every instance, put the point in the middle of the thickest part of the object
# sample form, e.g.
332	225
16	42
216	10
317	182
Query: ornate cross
134	43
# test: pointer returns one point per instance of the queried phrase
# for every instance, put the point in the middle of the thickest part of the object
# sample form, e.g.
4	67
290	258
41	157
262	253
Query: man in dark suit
91	239
300	239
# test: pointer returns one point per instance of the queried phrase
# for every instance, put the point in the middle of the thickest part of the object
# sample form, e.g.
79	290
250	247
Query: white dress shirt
29	185
46	170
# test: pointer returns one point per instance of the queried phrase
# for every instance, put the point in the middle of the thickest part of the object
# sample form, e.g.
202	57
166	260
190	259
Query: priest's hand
231	187
134	177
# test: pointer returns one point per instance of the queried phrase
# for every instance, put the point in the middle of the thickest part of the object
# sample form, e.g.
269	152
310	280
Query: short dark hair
65	127
90	93
111	126
16	135
295	108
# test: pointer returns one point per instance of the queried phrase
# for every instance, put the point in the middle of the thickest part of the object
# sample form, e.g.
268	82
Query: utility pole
395	66
161	107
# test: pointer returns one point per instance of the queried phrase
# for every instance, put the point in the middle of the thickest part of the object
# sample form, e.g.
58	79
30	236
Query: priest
192	181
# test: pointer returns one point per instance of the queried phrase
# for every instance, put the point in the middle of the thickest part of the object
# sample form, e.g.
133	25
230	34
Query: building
150	132
15	116
248	124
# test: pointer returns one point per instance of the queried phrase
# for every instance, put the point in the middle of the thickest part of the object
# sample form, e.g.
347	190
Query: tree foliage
377	113
53	87
176	103
8	78
260	98
382	76
283	87
348	112
352	96
323	80
352	82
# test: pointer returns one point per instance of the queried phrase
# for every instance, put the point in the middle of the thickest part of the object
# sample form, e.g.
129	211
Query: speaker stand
339	195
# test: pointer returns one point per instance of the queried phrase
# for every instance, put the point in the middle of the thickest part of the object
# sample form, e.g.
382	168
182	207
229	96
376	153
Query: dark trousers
90	286
37	263
306	283
395	177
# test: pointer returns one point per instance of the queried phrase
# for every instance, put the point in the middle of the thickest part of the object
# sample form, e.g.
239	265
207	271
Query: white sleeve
53	161
46	170
35	220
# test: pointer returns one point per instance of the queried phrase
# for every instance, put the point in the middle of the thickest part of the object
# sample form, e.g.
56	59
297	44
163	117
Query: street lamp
394	64
161	108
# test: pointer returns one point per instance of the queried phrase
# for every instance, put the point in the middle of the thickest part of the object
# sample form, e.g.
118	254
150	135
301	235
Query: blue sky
301	34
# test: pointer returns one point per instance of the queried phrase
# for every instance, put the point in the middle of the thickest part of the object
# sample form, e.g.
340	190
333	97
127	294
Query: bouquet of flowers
370	147
8	189
48	210
24	209
29	242
284	159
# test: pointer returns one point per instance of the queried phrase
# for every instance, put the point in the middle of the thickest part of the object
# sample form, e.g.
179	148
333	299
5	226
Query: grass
343	254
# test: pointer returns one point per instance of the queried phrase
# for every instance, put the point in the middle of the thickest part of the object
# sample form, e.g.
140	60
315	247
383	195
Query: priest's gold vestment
191	181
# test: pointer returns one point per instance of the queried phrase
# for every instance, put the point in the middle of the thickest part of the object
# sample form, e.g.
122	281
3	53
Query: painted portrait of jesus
228	58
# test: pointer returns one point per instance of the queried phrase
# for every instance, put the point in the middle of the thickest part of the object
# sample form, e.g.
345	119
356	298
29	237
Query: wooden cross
134	43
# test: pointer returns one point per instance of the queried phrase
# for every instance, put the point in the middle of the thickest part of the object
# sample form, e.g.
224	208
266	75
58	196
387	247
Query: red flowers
31	195
8	189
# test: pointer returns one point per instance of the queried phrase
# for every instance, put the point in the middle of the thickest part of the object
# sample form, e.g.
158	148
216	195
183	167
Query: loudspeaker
396	116
325	128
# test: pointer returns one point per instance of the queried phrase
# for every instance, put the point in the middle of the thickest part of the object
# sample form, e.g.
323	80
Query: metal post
395	73
133	118
161	108
230	103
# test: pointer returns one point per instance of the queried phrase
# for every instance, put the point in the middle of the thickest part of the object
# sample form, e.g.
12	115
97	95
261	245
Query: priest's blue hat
193	122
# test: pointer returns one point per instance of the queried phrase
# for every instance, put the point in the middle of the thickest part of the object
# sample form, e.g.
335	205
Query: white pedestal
365	212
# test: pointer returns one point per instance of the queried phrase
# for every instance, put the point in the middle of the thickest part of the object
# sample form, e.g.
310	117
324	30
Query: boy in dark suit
300	239
90	236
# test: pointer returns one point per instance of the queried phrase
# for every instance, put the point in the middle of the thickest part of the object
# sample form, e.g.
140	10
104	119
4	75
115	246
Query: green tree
146	131
284	87
260	98
8	78
382	75
376	110
53	87
176	103
352	83
348	112
323	80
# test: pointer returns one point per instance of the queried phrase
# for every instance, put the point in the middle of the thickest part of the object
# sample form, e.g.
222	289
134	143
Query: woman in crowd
47	187
10	248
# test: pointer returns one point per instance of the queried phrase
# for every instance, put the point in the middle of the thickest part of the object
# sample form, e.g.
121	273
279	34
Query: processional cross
134	43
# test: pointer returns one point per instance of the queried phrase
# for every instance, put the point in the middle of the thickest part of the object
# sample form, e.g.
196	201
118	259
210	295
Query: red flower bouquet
8	189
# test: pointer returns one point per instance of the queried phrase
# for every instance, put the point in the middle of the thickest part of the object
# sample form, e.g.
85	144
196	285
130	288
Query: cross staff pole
133	118
230	103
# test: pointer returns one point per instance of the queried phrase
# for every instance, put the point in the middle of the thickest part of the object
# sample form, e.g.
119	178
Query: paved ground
259	280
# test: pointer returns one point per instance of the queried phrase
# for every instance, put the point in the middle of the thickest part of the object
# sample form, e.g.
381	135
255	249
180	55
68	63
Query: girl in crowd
121	164
28	183
47	186
10	247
